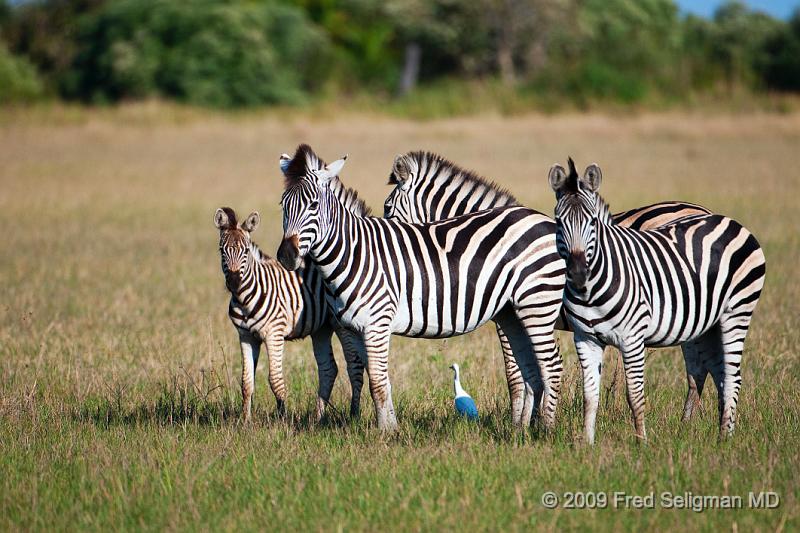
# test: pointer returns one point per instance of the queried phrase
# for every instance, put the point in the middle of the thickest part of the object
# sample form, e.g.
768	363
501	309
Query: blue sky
777	8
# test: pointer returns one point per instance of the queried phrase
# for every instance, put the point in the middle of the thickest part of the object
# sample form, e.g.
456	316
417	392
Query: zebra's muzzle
577	270
289	253
232	281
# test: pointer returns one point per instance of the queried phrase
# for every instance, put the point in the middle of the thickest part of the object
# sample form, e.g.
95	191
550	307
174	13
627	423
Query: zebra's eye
313	205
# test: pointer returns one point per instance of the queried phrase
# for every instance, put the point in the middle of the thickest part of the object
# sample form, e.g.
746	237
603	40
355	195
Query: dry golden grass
118	388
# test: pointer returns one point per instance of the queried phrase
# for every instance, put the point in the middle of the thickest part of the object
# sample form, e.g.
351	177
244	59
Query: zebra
272	305
428	187
693	283
427	280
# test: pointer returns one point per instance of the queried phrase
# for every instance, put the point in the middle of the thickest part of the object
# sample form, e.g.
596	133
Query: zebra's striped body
428	280
272	305
695	283
428	188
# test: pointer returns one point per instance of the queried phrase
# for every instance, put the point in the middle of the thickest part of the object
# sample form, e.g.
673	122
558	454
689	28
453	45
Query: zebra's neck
248	289
334	246
450	191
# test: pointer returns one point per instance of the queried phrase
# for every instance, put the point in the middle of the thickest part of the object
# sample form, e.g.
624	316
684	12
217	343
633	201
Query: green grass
119	400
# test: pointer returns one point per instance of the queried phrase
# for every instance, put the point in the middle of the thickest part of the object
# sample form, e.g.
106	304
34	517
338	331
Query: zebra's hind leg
590	354
522	403
356	357
696	354
376	342
326	368
545	365
733	326
522	371
251	346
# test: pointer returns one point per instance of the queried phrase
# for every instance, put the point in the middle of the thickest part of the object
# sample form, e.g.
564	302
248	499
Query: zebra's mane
450	172
574	195
348	197
306	160
603	211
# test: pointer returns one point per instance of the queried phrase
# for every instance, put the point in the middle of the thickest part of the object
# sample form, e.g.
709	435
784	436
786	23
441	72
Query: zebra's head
399	202
306	204
579	210
234	244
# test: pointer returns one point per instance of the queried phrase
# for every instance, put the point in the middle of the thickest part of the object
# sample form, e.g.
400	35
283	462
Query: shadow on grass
181	403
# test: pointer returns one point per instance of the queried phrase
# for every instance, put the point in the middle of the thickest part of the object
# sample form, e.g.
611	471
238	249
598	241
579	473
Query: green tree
222	54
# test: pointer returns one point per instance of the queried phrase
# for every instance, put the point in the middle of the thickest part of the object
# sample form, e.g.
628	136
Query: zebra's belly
658	333
437	325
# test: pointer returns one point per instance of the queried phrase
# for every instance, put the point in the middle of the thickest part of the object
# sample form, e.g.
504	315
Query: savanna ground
119	395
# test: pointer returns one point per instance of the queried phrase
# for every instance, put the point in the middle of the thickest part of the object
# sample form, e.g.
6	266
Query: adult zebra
427	280
271	305
428	187
695	282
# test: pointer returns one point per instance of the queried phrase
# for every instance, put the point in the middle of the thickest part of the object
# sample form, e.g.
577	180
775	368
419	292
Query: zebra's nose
289	253
577	270
233	280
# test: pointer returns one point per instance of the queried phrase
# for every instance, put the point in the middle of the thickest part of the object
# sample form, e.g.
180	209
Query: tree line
240	53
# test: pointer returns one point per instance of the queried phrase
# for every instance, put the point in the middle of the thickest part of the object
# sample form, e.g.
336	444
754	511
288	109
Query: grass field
119	395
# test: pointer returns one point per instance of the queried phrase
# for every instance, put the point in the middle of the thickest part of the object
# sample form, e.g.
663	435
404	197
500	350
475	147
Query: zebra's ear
251	222
285	160
592	177
224	217
331	170
401	173
557	178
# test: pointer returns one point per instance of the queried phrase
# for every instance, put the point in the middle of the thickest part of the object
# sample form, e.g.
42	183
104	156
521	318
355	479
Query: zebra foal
272	305
694	283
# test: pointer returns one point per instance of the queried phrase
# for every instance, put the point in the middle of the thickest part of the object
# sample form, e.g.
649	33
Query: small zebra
428	188
272	305
693	283
427	280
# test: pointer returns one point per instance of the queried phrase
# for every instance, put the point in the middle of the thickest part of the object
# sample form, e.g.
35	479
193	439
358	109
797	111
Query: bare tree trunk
413	58
505	59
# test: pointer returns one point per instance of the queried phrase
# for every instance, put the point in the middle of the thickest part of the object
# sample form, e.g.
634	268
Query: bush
220	54
19	81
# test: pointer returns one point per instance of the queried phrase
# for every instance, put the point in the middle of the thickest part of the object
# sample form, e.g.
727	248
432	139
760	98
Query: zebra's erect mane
449	171
306	161
349	198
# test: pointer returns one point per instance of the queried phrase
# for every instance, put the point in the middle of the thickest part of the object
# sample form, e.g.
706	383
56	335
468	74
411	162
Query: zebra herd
454	251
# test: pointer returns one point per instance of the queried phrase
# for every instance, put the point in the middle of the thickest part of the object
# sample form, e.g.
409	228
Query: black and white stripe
694	283
272	305
429	187
428	280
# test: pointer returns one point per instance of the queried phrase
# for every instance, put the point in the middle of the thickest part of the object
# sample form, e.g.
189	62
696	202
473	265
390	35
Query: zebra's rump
658	215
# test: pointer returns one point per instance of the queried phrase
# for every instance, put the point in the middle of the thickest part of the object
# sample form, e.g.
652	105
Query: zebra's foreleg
356	357
590	354
326	367
633	354
251	346
274	343
377	346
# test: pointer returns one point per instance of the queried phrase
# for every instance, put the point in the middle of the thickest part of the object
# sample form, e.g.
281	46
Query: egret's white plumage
465	405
